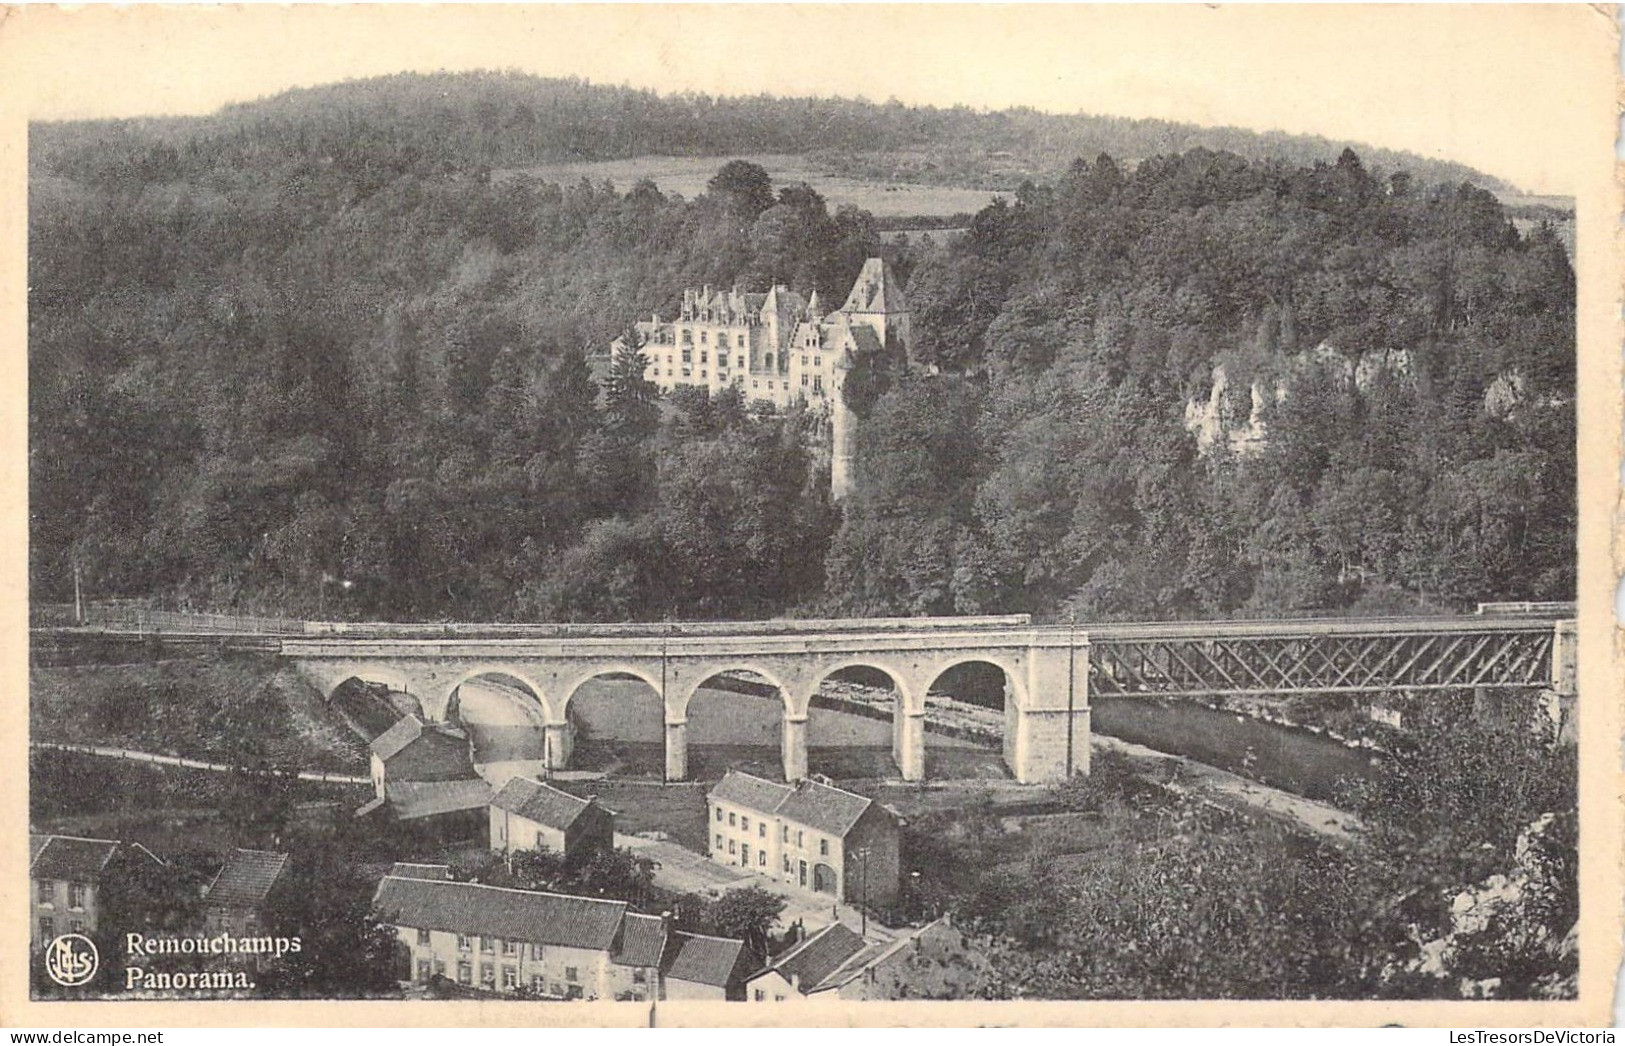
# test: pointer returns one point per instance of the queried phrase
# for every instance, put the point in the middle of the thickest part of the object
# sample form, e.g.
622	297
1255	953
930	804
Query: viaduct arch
1046	705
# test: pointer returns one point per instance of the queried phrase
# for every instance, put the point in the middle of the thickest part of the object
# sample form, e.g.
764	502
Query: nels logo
71	960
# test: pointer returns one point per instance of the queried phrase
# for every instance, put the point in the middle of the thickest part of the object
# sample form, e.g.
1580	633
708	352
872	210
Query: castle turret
877	302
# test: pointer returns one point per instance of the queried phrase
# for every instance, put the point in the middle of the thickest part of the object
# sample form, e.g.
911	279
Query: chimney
665	921
795	982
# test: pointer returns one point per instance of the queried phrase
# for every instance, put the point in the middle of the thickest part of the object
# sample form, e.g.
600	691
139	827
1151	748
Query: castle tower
877	302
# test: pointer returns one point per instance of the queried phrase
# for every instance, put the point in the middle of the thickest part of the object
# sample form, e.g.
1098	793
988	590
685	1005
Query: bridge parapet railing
146	620
654	629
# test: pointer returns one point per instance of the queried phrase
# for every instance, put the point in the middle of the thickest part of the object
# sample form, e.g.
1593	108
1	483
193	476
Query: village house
933	961
528	814
804	967
811	835
551	945
423	777
65	875
233	903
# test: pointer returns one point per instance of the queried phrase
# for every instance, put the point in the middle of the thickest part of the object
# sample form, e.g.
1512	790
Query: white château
778	347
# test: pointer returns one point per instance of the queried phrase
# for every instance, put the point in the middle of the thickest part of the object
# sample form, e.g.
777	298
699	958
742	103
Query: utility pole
863	888
665	632
78	600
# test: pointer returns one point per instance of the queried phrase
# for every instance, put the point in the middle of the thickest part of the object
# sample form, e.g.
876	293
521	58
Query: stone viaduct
1050	672
1046	725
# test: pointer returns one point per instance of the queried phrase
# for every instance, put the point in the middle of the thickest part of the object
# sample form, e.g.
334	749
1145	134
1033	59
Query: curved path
192	764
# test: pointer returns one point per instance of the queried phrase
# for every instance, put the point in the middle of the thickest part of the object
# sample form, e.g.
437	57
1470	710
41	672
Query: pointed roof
542	803
876	290
391	741
813	304
702	959
824	807
819	806
751	791
817	957
643	940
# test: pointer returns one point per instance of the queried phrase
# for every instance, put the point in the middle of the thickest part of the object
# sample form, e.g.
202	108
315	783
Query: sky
1495	87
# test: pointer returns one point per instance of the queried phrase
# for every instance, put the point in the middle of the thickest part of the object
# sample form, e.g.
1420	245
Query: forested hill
264	360
503	120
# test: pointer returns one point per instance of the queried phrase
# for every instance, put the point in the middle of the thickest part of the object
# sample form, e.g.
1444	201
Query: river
1288	758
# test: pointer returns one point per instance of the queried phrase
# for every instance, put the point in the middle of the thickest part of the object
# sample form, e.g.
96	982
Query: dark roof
875	290
246	879
69	857
414	870
824	807
494	911
409	800
643	940
818	956
750	791
539	802
866	339
703	960
821	807
36	843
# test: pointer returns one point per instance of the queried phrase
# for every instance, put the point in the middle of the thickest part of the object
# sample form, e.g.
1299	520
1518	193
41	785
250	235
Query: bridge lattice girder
1341	663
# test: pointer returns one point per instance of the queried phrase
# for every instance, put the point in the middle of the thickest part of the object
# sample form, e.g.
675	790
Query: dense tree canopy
1211	387
267	358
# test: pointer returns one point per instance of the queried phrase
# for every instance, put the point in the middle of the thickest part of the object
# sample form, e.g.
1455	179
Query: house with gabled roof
699	966
807	966
423	776
810	835
551	945
234	902
528	814
66	874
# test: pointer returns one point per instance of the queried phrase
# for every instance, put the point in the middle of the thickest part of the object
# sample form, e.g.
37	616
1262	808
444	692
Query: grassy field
687	175
166	808
234	707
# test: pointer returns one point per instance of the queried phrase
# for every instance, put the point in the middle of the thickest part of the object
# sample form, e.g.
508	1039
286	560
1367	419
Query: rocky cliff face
1514	934
1234	416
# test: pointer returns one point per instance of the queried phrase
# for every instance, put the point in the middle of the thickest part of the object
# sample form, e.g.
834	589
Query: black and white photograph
800	507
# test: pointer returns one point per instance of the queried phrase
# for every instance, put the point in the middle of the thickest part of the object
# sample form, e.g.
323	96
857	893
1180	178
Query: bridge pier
558	743
1047	738
910	749
676	749
794	747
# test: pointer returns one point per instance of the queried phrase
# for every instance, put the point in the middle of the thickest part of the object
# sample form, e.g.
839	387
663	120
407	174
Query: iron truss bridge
1325	656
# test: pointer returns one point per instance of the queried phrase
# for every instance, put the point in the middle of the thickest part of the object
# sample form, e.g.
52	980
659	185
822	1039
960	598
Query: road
194	764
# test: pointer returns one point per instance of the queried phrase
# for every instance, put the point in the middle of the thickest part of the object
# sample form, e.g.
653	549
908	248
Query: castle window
804	361
755	384
804	380
818	382
702	337
740	341
705	357
740	362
